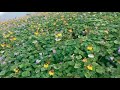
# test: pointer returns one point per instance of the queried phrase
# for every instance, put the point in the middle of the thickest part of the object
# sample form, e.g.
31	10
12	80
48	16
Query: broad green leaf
116	42
77	65
87	75
25	73
100	70
79	57
43	69
2	72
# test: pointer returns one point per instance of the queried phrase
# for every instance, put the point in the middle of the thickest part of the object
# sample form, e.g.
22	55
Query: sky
1	13
10	15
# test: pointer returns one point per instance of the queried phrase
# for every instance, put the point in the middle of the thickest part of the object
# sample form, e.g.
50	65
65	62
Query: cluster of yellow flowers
6	35
13	38
89	67
10	32
51	72
9	36
5	45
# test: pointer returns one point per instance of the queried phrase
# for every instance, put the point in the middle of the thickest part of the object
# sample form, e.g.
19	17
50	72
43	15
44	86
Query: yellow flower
3	45
70	30
6	35
46	65
10	32
36	33
84	60
16	70
90	48
89	67
13	38
58	35
51	72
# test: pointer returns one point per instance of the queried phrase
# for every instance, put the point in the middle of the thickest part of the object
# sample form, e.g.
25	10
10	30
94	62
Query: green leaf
116	42
56	66
31	57
100	70
81	53
79	57
87	75
43	69
95	64
2	73
77	65
76	51
13	67
25	73
21	65
69	74
71	63
109	51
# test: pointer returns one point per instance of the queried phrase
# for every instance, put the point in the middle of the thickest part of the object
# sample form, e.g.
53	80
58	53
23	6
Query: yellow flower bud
46	65
84	60
89	67
51	72
90	48
16	70
58	35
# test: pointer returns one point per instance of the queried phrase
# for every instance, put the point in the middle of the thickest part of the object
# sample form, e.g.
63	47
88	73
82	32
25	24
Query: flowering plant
65	44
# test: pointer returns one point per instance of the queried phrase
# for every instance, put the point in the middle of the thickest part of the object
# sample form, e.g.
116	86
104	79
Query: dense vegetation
61	45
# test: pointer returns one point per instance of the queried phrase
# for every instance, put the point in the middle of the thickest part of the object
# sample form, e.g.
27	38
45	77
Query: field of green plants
61	45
